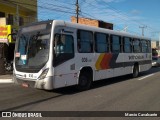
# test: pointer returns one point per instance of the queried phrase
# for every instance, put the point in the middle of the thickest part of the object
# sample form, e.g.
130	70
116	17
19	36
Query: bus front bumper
46	84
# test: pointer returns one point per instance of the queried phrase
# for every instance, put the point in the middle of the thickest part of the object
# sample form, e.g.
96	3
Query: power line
67	3
138	22
46	9
125	16
105	12
69	10
55	9
59	6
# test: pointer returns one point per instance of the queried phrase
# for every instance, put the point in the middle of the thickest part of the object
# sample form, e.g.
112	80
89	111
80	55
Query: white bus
55	54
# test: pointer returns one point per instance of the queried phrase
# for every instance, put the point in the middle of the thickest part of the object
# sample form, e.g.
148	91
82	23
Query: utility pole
77	10
143	27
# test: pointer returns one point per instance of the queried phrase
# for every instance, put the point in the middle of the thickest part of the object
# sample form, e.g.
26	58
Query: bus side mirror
13	36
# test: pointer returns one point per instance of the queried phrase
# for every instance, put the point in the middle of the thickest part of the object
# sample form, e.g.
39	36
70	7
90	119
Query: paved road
116	94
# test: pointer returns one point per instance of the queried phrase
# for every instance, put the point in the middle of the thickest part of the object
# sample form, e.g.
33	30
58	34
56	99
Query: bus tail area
56	54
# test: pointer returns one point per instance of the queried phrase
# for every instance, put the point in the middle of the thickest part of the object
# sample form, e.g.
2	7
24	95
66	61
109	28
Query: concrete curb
6	81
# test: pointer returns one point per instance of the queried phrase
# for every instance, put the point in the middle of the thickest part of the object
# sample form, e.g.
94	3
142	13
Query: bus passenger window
85	41
127	42
136	46
148	46
115	44
144	46
101	43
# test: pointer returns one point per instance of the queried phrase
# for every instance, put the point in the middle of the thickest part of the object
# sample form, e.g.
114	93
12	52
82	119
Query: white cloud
135	12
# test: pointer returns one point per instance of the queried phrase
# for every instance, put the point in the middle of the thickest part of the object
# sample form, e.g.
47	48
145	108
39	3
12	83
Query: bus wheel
84	82
135	71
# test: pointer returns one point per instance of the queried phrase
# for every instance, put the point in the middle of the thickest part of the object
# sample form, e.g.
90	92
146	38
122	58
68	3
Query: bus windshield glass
32	49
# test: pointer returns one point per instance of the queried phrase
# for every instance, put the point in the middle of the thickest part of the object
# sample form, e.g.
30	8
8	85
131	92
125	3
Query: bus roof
87	27
92	28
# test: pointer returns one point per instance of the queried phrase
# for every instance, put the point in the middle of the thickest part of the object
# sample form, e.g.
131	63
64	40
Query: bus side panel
65	76
102	67
109	65
64	80
67	73
103	74
145	67
143	60
128	70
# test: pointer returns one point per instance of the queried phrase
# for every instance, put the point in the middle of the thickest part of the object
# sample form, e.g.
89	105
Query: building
92	22
18	12
13	14
155	44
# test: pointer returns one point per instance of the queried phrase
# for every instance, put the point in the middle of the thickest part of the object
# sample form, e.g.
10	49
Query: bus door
63	59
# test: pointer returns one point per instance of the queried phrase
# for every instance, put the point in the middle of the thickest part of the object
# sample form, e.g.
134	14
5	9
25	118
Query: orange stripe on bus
98	67
103	61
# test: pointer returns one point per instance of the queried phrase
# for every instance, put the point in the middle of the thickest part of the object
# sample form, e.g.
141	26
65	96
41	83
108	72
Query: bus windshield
32	49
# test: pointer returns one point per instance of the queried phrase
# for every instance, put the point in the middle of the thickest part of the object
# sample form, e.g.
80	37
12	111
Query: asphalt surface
116	94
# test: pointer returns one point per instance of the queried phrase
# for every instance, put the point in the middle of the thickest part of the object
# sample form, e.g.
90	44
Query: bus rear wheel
135	71
84	82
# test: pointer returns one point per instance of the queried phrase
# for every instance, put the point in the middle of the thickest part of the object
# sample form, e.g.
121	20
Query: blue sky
122	13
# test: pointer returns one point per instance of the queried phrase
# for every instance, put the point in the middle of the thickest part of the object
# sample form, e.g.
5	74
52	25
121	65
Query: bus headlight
43	74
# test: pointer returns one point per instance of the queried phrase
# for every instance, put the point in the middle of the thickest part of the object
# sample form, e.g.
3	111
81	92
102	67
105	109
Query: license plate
25	85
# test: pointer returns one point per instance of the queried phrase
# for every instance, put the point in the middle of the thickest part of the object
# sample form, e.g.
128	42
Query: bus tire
84	82
135	71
